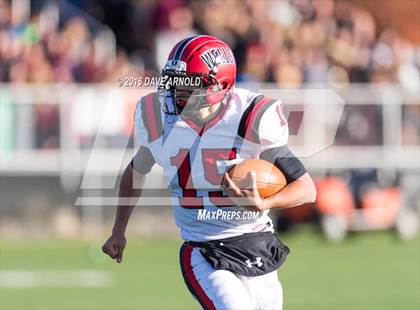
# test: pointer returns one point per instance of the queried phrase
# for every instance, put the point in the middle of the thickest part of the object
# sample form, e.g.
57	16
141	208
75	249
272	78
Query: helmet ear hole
224	85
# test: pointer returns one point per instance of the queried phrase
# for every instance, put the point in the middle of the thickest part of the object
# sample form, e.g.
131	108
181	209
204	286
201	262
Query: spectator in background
174	22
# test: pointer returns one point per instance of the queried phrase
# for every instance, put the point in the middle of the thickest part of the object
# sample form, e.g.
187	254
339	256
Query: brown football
270	179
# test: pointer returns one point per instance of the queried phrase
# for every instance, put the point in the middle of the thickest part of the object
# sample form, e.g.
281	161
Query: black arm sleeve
143	161
283	158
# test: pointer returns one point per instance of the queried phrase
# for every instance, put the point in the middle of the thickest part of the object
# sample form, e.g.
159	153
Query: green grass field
367	271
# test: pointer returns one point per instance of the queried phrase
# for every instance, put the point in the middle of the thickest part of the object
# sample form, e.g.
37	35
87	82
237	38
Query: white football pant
223	290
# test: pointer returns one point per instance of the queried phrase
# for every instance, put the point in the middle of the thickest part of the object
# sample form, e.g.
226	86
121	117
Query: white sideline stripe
55	278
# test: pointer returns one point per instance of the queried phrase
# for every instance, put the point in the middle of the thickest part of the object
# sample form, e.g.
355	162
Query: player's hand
247	197
114	246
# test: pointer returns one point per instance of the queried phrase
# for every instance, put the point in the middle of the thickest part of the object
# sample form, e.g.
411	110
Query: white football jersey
194	160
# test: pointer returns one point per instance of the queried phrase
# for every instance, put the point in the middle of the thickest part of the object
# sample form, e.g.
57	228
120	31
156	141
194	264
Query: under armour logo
257	262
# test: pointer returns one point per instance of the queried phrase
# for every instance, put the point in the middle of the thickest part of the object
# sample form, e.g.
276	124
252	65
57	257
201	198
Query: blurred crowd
288	43
50	45
284	42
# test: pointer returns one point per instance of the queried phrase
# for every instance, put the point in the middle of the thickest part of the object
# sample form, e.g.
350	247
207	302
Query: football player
195	126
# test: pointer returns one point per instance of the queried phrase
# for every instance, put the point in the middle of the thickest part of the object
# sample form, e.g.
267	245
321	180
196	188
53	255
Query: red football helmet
201	68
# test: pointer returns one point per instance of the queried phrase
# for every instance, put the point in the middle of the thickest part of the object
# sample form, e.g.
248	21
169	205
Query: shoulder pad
151	115
251	118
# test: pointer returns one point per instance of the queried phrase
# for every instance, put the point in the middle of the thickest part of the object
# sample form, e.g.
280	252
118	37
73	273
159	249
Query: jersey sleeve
148	120
143	161
263	123
273	131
